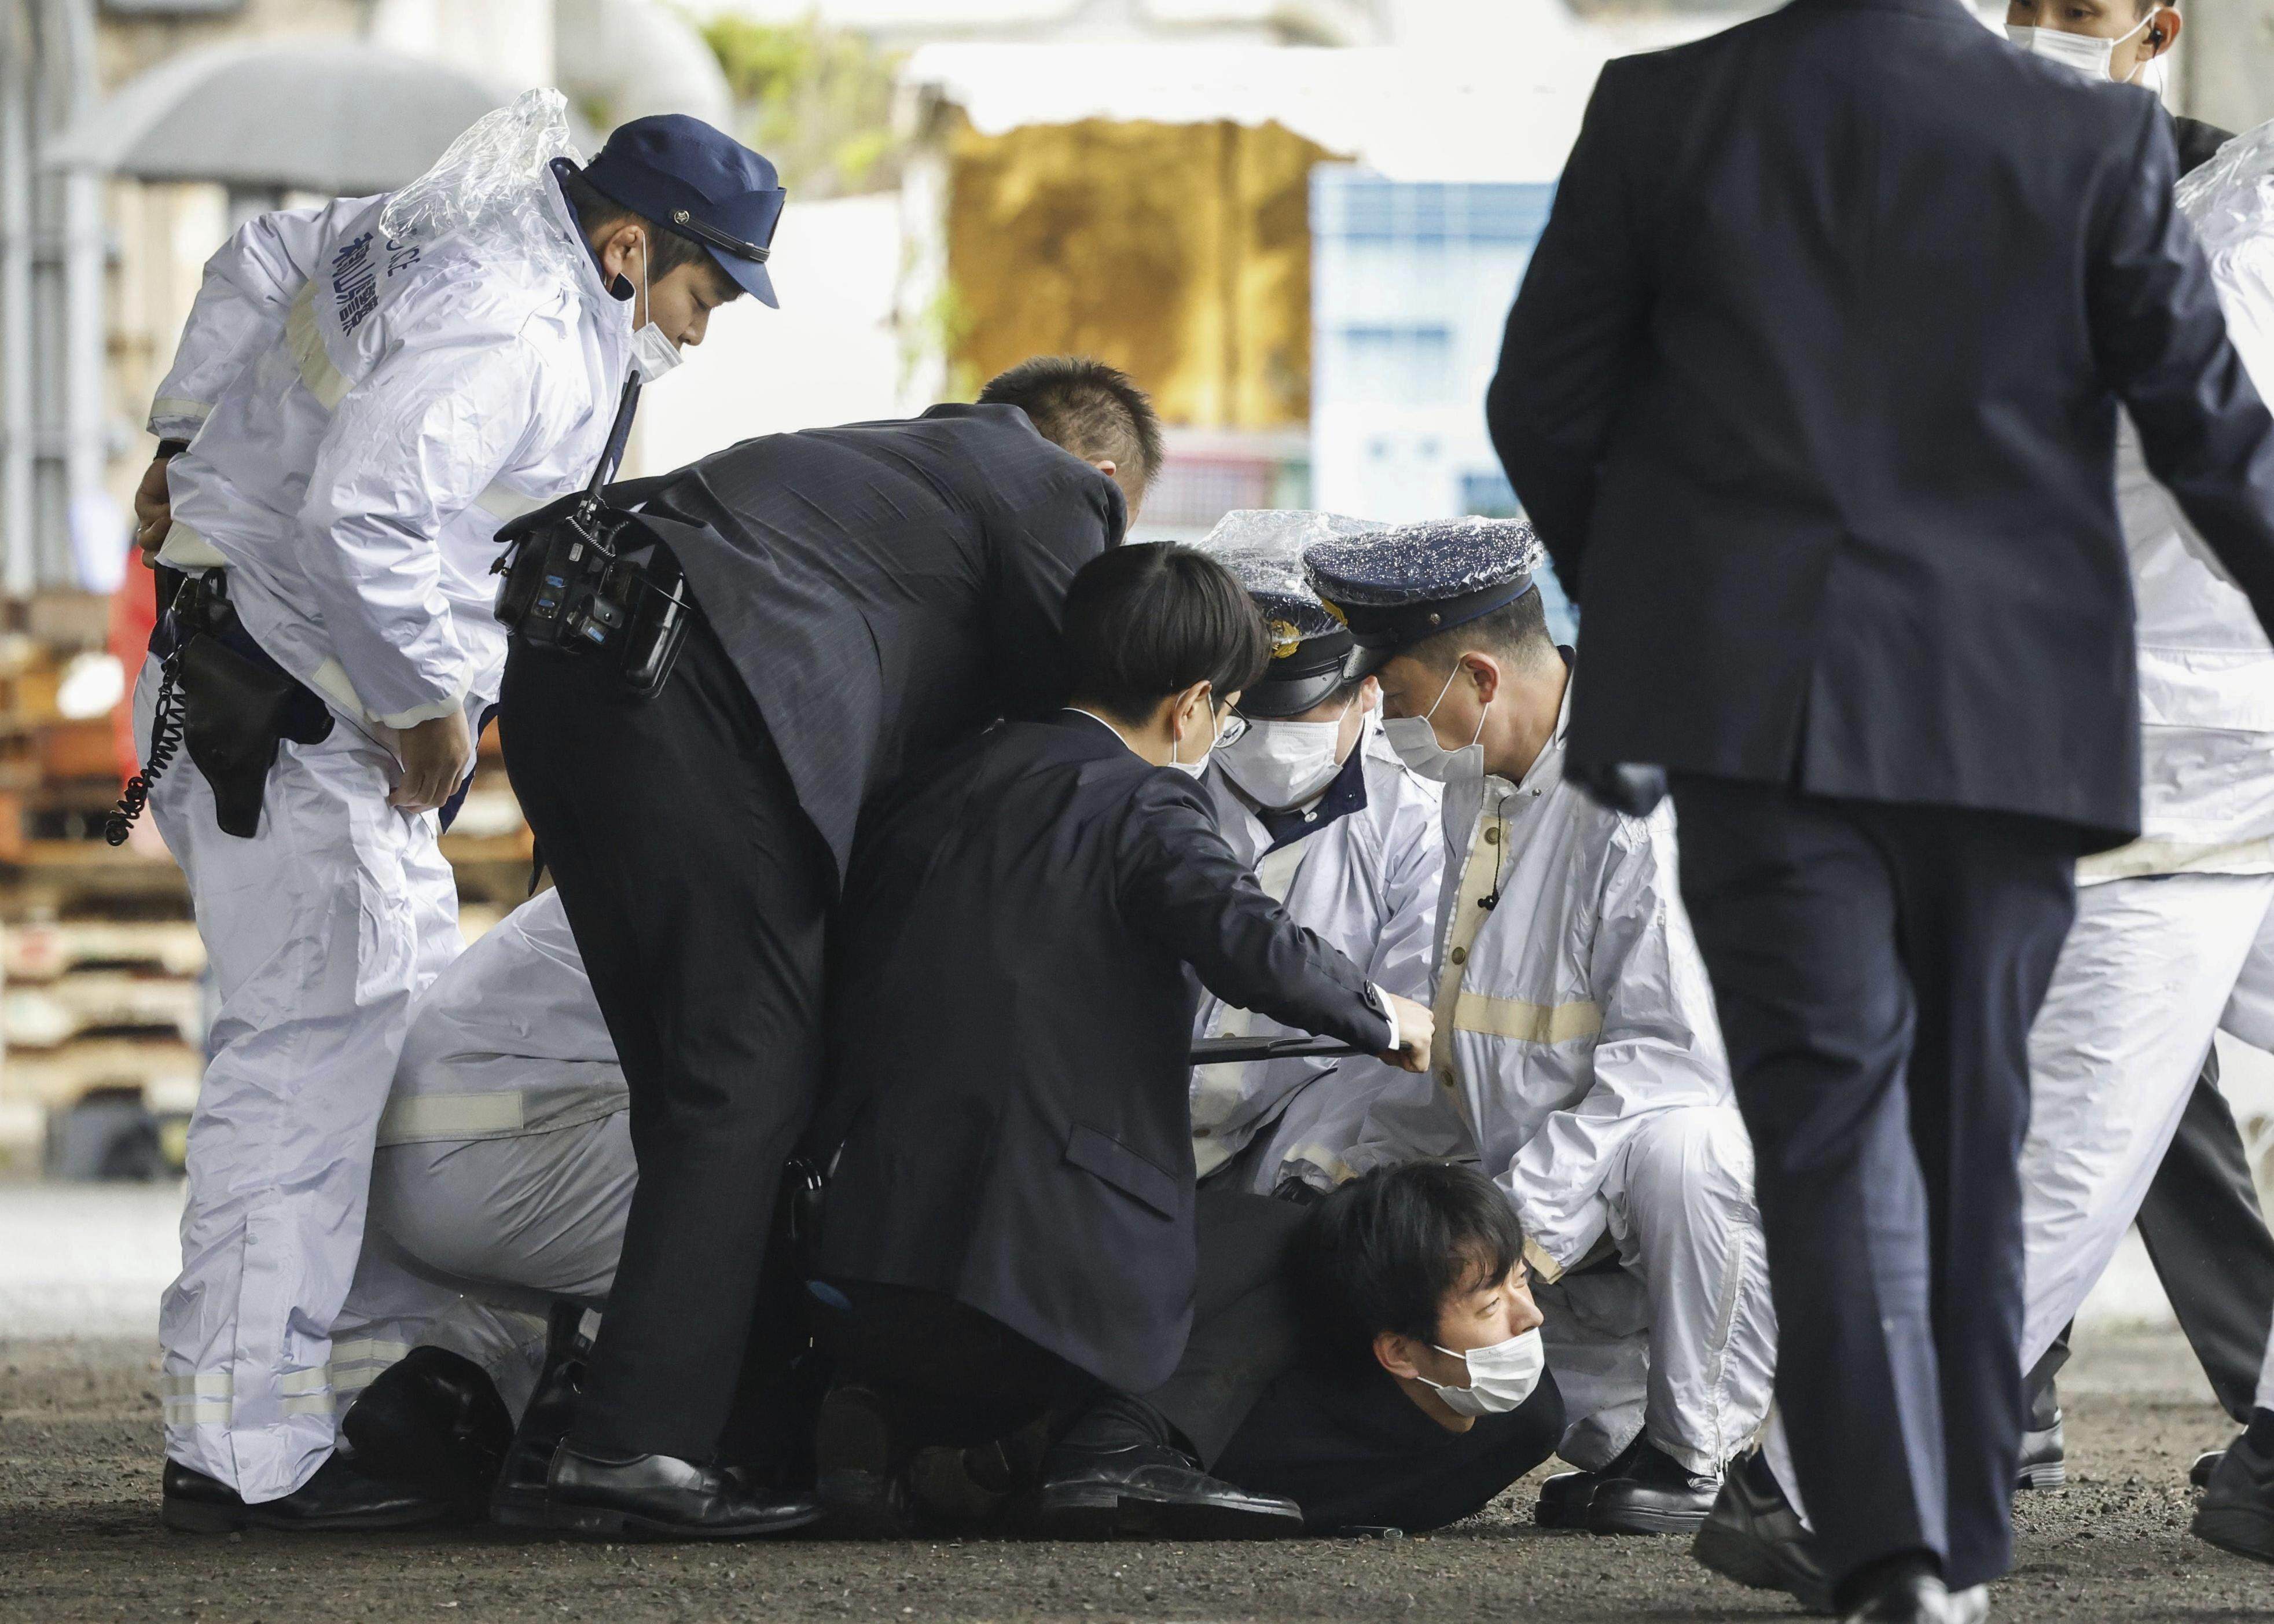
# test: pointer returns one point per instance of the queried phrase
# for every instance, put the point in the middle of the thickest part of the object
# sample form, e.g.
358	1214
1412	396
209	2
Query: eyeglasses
1232	730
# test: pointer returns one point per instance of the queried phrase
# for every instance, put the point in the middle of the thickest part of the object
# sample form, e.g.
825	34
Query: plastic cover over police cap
1401	586
1263	549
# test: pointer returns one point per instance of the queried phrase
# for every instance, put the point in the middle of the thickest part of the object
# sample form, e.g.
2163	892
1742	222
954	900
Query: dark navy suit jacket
1810	391
885	590
1010	1028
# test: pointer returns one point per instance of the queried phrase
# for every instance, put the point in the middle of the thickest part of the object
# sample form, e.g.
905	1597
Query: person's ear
1484	671
617	252
1395	1354
1184	708
1107	466
2164	30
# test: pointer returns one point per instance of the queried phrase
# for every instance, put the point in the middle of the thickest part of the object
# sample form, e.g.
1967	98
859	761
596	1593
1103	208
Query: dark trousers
1877	969
949	1375
697	890
2210	1244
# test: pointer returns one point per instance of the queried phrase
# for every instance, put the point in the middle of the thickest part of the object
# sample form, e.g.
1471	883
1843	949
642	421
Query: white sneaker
1969	1606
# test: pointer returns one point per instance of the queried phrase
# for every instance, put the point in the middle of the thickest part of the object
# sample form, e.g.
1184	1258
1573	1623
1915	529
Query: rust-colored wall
1181	253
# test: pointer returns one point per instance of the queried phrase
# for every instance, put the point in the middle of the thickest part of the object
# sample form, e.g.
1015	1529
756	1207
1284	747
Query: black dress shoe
1656	1494
862	1485
1565	1497
2045	1458
1907	1596
1150	1488
660	1497
2237	1510
2205	1464
434	1420
338	1498
519	1500
1754	1536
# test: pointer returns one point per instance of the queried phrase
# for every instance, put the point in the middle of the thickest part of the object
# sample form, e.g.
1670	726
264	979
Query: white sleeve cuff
172	418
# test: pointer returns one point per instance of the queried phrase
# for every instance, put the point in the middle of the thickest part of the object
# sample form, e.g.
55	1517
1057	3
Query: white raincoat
368	389
1367	881
2166	927
1576	1030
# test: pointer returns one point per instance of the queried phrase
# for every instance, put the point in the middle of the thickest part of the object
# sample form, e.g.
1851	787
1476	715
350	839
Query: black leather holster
237	710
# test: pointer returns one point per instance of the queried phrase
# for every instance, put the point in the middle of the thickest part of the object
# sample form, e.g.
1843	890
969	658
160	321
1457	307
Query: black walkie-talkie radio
584	578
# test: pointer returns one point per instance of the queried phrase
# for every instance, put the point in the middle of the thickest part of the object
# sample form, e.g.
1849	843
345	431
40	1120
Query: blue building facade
1410	283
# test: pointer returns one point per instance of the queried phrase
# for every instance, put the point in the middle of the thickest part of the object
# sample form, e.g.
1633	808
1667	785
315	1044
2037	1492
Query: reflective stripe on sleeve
172	409
411	1119
322	379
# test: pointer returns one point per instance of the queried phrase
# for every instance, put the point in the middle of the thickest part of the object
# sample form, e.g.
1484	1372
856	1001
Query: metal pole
18	567
83	284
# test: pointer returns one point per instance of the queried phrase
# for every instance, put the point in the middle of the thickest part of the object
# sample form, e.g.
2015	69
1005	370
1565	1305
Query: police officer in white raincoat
1346	837
1583	1044
2165	926
363	393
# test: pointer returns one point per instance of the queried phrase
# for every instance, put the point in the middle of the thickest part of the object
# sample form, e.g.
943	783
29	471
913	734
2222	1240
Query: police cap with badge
1394	587
1311	649
1402	586
700	182
584	576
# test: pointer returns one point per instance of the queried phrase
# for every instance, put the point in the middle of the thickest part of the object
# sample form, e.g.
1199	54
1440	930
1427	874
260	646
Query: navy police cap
1401	586
1263	549
680	173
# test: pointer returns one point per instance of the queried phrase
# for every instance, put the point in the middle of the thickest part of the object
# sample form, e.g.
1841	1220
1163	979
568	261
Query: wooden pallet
100	1003
42	951
166	1070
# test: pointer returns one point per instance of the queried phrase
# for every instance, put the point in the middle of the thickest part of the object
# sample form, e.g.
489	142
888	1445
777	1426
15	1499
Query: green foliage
818	101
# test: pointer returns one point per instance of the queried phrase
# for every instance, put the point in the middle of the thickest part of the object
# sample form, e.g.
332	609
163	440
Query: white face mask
2090	57
653	354
1198	767
1283	765
1501	1377
1416	743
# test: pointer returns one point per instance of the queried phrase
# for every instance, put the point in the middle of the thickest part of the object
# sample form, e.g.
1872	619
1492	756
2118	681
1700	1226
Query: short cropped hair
1514	632
597	211
1090	409
1150	619
1385	1251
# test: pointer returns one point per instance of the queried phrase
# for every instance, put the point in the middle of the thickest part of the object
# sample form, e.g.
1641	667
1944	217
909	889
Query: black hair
1090	409
1150	619
1517	632
597	212
1384	1252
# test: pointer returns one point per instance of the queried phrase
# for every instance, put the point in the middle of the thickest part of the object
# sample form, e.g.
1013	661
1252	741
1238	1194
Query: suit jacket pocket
1108	1159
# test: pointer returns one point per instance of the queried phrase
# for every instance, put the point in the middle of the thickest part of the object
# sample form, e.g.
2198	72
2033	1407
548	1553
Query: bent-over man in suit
1812	392
1010	1224
865	595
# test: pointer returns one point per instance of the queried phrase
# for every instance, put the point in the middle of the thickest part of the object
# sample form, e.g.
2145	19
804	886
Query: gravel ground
80	1540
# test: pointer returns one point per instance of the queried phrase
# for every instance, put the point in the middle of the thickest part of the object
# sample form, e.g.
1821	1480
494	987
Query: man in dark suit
1810	391
1010	1222
866	595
